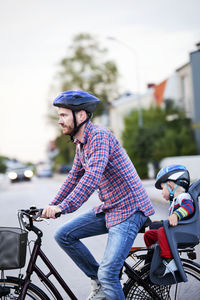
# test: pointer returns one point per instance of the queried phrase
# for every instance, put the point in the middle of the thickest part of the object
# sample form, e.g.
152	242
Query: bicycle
136	286
139	286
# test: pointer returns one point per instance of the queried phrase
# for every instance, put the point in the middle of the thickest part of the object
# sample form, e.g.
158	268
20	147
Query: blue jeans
120	240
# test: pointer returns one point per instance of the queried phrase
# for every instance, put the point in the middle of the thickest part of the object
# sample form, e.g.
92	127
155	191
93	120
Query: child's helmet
177	173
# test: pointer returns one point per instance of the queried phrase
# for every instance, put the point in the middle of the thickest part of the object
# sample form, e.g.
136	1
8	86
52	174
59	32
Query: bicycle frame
133	274
32	267
37	252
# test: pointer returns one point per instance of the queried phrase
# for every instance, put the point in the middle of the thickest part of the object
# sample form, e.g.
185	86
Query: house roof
159	90
127	98
182	67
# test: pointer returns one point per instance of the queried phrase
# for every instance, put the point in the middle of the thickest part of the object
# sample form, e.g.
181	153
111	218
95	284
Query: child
174	181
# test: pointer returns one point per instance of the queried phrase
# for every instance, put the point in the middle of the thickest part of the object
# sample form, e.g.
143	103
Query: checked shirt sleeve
185	210
97	161
74	176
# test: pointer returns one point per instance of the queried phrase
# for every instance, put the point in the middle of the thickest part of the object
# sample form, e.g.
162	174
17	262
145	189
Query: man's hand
173	219
50	211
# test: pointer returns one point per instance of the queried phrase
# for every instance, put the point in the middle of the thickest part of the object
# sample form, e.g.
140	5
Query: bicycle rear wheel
183	290
13	286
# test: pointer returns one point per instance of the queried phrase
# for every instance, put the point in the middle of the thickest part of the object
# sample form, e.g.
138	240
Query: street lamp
140	118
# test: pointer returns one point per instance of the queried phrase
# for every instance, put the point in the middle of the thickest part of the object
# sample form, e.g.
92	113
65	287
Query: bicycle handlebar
35	213
27	216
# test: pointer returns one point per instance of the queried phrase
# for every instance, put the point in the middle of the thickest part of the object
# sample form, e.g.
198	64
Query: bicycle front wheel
11	288
183	290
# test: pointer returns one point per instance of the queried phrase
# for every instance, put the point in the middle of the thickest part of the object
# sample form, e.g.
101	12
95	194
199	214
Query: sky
152	39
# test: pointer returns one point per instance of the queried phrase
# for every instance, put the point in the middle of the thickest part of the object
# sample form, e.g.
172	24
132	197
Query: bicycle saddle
147	223
185	234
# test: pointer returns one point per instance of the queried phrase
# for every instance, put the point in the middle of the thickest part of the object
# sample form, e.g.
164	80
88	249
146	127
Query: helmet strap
171	192
77	127
184	184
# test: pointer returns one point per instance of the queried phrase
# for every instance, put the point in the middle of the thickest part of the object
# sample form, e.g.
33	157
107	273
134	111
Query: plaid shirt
102	164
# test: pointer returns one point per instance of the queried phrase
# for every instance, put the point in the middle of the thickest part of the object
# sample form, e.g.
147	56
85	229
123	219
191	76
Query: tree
66	150
2	164
158	138
86	68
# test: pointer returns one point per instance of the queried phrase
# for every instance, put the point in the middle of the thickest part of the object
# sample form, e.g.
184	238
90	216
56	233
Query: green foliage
86	68
2	164
197	125
158	138
66	150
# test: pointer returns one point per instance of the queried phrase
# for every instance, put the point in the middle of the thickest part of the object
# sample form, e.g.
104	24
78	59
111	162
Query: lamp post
140	118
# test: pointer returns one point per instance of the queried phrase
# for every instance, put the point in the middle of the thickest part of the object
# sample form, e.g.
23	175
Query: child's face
165	191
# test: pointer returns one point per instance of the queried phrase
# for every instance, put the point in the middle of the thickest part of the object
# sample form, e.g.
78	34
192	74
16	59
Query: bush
158	138
2	165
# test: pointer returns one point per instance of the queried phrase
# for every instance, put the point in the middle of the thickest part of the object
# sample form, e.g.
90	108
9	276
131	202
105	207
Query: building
182	89
121	107
195	66
185	90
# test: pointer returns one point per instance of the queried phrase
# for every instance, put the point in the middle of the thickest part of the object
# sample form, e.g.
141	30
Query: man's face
66	120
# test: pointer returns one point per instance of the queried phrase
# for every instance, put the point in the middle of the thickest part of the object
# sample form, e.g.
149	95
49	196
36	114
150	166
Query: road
40	192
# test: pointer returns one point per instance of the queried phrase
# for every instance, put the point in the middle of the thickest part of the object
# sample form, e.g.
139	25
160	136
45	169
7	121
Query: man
100	164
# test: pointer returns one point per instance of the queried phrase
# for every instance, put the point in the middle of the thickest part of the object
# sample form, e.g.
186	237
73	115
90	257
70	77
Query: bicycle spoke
176	291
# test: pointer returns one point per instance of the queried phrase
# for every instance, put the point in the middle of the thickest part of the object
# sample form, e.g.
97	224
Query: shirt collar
87	129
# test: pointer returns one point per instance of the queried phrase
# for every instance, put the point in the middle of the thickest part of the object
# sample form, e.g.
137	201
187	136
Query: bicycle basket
13	242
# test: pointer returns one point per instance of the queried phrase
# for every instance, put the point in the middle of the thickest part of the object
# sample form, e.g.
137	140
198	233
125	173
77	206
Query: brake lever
43	219
38	218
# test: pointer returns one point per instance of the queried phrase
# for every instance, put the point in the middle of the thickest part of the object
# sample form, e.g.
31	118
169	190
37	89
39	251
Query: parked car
64	169
44	170
20	173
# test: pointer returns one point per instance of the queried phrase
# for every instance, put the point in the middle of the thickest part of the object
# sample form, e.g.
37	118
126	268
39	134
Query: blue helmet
76	101
177	173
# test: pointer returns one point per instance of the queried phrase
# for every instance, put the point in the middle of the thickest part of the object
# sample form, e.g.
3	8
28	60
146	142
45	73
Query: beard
68	130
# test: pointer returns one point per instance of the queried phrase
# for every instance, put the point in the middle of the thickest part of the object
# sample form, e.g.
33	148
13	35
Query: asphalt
153	193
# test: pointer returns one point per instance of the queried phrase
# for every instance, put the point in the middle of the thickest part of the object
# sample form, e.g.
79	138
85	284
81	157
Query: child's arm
185	210
173	219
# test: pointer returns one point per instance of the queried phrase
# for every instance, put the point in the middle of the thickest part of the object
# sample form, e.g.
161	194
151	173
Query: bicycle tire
14	284
183	290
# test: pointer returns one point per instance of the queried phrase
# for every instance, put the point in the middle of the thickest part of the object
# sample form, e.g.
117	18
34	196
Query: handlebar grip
58	214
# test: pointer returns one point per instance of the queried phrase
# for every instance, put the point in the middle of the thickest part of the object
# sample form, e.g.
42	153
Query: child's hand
173	220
